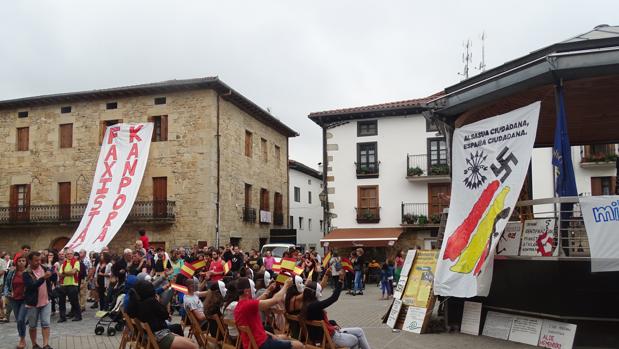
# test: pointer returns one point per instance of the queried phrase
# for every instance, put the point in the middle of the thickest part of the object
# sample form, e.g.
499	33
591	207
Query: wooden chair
199	335
130	334
247	331
151	341
326	341
184	324
294	328
214	320
140	337
228	342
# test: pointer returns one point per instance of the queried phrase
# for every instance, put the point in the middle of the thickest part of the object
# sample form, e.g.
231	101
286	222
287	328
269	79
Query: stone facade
188	159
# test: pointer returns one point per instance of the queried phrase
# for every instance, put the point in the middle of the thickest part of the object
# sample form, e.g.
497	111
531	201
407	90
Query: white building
387	175
306	212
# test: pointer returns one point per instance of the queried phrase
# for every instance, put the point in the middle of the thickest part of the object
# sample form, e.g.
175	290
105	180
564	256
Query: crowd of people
233	284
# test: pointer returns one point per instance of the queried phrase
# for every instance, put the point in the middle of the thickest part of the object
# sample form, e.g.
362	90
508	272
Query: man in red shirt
144	239
216	269
247	313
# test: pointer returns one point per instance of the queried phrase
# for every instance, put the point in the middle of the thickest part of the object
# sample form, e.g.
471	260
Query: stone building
50	145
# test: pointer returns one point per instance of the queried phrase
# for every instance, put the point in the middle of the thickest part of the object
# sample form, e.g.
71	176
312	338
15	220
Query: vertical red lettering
133	133
112	134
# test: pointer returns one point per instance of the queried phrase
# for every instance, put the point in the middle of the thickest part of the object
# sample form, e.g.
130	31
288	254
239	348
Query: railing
368	215
34	214
367	169
249	215
417	214
278	218
418	166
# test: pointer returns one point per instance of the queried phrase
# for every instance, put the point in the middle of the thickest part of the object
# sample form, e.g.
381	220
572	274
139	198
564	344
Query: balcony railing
368	215
418	166
599	155
417	214
249	215
367	169
278	218
44	214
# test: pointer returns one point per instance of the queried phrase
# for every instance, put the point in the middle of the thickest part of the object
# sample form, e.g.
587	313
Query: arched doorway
58	243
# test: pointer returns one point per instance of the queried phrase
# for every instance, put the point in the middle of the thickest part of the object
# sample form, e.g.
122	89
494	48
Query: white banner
601	216
490	160
118	176
539	238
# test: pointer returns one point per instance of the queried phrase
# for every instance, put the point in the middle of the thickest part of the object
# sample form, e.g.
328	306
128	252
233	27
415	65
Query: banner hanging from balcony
601	216
120	168
490	162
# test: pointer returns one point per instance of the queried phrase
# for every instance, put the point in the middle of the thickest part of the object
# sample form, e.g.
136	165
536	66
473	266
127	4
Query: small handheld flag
346	265
227	267
298	270
277	268
179	288
281	278
288	264
326	260
188	270
199	264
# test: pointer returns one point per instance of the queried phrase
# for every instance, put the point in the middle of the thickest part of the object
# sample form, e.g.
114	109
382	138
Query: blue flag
562	153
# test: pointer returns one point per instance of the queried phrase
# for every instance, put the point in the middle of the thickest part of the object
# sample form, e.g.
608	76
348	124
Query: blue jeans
20	311
358	281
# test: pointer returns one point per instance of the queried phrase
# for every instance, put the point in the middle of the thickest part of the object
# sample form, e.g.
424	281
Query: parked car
277	250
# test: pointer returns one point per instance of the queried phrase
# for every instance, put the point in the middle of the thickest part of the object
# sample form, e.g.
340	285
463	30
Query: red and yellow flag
281	278
288	264
199	264
326	260
277	268
346	265
227	267
188	270
179	288
298	270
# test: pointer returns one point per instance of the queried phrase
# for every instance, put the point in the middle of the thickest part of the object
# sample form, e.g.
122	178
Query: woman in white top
230	302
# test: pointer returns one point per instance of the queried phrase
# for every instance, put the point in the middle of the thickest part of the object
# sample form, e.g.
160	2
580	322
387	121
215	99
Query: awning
361	237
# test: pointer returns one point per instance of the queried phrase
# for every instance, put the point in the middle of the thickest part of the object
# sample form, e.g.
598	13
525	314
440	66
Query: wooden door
19	202
64	201
160	196
438	197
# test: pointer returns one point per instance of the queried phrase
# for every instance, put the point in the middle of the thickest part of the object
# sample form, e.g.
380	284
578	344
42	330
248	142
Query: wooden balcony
142	211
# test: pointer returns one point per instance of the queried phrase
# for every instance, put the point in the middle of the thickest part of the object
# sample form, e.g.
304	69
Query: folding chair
130	334
219	330
197	330
228	342
151	341
326	341
294	329
252	341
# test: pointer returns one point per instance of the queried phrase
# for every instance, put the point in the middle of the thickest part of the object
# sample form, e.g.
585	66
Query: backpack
338	265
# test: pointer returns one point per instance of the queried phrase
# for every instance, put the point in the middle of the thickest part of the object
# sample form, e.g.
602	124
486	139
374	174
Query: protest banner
117	179
601	216
539	238
490	161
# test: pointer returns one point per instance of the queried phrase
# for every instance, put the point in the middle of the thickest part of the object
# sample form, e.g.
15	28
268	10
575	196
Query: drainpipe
217	203
325	210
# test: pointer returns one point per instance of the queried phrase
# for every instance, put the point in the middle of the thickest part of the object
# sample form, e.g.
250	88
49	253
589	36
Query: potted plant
440	169
435	218
414	171
410	218
423	219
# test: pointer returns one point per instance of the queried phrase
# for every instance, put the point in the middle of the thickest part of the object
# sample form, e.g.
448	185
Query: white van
277	250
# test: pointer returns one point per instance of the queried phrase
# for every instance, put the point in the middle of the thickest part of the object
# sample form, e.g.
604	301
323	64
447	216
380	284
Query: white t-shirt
229	315
193	302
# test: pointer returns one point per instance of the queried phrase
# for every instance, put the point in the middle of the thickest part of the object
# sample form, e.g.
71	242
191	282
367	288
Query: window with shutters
23	135
65	132
249	139
278	212
104	125
160	128
19	202
264	200
160	196
368	210
603	185
264	149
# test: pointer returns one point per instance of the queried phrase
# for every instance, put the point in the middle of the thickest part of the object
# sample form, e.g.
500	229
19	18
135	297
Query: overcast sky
289	56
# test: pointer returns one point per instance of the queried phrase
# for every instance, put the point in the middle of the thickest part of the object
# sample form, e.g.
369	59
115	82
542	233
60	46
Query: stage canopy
361	237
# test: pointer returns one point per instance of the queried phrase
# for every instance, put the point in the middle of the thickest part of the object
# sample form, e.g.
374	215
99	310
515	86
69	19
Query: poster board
471	318
498	325
415	319
525	330
394	313
418	290
509	243
399	287
539	238
557	335
408	262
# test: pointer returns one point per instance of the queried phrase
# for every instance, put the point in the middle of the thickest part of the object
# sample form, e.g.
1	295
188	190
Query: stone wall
187	159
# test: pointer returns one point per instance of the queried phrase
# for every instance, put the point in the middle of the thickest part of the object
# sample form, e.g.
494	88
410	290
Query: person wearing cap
314	310
247	313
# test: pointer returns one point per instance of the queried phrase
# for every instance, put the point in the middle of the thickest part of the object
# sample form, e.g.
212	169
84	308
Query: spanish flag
227	267
277	268
298	270
288	264
199	264
281	278
346	265
179	288
188	270
326	260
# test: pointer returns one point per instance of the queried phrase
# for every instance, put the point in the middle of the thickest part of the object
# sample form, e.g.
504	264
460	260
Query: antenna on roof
467	58
482	63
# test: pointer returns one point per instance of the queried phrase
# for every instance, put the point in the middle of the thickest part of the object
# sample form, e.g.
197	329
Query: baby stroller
112	319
